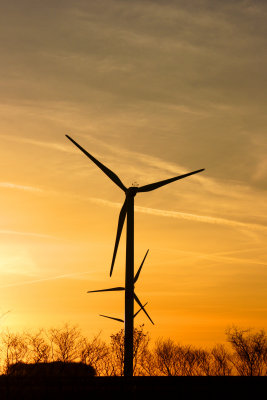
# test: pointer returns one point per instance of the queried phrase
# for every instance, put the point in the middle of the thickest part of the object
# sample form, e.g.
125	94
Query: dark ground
118	387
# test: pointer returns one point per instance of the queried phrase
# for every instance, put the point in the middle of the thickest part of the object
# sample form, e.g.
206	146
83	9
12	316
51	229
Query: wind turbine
128	210
119	288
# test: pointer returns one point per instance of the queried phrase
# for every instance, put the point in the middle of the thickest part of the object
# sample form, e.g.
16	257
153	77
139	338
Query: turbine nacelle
131	191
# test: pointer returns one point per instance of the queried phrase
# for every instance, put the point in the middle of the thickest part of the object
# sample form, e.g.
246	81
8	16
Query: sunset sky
153	89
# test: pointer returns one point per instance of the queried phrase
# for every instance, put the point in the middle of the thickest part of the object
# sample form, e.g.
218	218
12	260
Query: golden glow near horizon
153	90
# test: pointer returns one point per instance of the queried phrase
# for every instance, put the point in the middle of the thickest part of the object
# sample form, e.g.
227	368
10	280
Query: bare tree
172	359
220	361
148	362
250	351
39	349
15	348
65	342
95	353
117	352
141	340
202	362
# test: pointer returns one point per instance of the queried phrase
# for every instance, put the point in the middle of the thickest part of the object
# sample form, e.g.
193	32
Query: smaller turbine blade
156	185
119	230
116	319
139	270
115	289
142	307
106	170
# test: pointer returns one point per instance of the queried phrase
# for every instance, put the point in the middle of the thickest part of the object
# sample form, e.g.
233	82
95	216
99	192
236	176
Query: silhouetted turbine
120	288
121	320
128	209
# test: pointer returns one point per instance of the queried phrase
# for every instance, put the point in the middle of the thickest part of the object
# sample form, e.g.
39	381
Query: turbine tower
128	210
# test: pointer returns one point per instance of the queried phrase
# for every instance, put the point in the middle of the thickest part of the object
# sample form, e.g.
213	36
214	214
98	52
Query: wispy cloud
46	279
137	159
25	233
227	257
186	216
27	188
40	143
145	210
156	168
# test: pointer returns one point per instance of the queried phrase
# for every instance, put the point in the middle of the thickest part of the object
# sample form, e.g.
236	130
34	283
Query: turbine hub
132	190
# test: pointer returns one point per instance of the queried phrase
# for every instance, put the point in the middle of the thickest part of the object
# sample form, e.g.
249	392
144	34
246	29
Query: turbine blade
106	170
156	185
119	230
115	289
139	270
142	307
116	319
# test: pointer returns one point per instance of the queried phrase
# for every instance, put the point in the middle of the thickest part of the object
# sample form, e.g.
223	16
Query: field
115	387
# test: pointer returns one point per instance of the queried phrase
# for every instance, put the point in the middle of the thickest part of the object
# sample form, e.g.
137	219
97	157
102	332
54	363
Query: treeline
246	355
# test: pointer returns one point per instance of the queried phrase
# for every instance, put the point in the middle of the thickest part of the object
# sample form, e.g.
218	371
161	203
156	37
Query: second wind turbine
128	210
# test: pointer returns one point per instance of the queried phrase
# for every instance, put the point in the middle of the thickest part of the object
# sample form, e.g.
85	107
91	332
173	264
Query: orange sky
153	90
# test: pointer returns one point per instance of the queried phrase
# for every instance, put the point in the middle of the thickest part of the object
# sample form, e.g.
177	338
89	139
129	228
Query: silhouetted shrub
55	369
